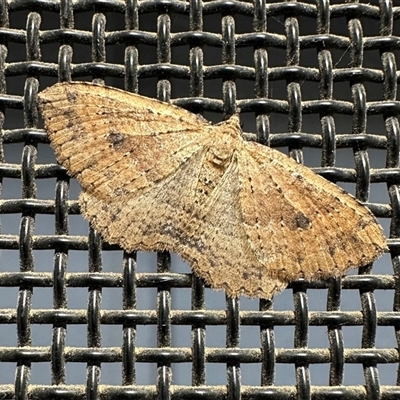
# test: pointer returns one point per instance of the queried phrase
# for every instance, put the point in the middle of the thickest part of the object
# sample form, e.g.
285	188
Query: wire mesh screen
82	319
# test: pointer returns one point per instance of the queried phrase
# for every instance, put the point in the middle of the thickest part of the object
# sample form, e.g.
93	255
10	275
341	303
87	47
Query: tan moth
247	218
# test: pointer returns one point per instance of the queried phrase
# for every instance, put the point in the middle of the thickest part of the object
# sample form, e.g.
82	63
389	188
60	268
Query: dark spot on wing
116	139
299	177
71	97
120	191
353	239
302	221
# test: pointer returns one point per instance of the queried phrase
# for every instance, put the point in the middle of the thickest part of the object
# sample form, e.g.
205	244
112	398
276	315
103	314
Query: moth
247	218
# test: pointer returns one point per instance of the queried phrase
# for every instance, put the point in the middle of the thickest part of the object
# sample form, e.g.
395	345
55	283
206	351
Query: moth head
232	126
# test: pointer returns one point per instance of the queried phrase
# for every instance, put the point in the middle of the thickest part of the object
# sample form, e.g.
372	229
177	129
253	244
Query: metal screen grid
46	41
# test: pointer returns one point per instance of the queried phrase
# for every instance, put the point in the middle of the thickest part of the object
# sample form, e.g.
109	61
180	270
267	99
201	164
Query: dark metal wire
261	40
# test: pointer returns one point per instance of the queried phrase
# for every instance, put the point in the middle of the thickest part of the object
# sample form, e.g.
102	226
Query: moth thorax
224	144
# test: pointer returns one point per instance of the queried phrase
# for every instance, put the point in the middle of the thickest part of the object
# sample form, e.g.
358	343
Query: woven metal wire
305	75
